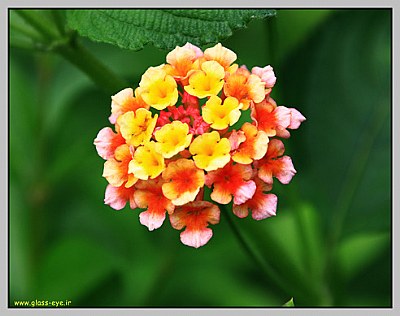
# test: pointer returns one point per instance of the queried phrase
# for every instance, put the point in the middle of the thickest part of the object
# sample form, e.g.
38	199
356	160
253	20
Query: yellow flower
219	115
159	90
210	152
207	81
172	138
137	127
147	162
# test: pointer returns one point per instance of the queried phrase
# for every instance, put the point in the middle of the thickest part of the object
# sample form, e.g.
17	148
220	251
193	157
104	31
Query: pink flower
117	197
266	74
107	141
262	205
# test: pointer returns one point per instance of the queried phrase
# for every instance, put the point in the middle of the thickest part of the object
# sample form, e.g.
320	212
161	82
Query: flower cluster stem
266	268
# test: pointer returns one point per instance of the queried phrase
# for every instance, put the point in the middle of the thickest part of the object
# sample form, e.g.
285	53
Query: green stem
79	56
59	21
37	23
269	271
67	46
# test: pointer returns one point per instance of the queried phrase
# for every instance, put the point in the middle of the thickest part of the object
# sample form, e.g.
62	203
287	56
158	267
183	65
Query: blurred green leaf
165	29
346	100
289	37
343	150
297	255
289	303
72	268
358	251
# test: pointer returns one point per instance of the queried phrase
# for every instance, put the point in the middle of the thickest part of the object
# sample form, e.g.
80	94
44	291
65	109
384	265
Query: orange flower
116	169
124	101
273	165
245	87
117	197
149	195
271	119
183	181
195	216
261	205
232	180
224	56
254	147
107	141
181	61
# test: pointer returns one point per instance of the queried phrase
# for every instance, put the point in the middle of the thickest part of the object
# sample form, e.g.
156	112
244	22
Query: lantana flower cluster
177	134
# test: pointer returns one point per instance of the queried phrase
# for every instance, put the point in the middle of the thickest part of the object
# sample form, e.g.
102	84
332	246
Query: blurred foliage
330	243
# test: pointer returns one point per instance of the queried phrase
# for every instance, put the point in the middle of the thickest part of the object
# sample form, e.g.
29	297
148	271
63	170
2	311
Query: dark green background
330	243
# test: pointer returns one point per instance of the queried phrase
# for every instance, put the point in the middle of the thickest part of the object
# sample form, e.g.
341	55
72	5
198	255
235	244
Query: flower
159	90
262	205
117	197
245	87
206	82
195	216
266	75
116	169
107	141
254	147
195	136
183	181
224	56
124	101
219	115
274	165
172	138
182	61
137	127
149	195
147	162
232	180
209	151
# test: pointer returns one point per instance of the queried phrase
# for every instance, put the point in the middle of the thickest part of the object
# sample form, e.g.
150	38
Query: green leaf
289	303
356	252
165	29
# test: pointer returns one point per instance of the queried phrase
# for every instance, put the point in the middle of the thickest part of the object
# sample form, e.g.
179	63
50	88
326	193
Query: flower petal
117	197
195	216
107	141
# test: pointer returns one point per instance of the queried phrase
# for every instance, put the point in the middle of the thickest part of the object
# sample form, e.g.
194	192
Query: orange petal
183	181
195	216
232	180
149	195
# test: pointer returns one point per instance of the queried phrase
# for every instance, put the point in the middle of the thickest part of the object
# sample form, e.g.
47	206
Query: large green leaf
133	29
